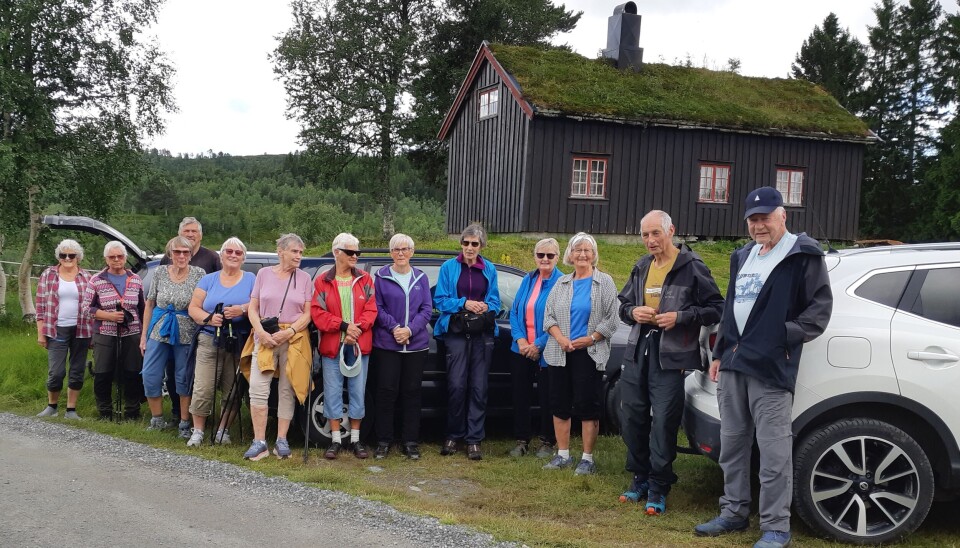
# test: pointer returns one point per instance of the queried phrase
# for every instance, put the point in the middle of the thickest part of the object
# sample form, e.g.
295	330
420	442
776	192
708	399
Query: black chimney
623	37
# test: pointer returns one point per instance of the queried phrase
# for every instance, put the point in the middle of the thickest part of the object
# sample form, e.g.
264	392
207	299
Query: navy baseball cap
762	200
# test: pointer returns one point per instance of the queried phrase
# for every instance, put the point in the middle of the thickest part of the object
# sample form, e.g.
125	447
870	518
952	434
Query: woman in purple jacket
400	343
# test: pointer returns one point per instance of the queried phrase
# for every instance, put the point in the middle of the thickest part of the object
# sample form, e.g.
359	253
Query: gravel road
67	487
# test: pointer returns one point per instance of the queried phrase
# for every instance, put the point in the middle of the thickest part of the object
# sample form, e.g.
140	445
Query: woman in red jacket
344	309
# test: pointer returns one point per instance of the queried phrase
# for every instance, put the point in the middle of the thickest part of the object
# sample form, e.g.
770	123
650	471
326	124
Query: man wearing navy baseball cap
778	298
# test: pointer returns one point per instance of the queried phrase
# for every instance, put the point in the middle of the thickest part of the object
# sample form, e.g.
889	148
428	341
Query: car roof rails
386	251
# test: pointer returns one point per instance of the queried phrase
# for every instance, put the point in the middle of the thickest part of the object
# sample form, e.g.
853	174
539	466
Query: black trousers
105	372
651	406
468	368
398	376
523	373
575	388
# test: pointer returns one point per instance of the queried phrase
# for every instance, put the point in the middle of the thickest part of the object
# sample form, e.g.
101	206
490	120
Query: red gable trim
483	53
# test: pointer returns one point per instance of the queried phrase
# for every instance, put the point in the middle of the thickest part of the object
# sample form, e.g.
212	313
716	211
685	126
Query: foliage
567	83
941	220
835	60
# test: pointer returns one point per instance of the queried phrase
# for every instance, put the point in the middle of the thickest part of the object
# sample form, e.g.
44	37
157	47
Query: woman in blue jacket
468	300
529	340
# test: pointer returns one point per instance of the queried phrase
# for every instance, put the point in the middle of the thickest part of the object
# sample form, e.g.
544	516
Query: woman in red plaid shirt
61	328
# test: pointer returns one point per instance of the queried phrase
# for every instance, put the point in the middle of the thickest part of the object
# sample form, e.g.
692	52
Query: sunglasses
115	257
547	255
68	256
465	243
237	252
180	252
403	250
349	252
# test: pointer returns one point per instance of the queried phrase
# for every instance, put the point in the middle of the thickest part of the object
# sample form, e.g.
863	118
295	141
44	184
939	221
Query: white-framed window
489	102
589	178
790	185
714	183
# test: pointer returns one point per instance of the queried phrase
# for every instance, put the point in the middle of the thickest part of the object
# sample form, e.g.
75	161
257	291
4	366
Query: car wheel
611	406
862	481
317	422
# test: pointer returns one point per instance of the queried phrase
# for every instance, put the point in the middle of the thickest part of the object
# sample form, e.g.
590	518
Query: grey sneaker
520	449
585	468
196	438
186	429
720	526
773	539
558	462
281	449
258	450
222	437
158	423
546	450
71	415
48	412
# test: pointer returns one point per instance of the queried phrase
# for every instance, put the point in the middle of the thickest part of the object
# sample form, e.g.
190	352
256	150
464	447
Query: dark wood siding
486	162
658	168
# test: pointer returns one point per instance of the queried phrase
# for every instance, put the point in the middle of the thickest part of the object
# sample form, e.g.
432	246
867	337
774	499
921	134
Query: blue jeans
333	389
155	361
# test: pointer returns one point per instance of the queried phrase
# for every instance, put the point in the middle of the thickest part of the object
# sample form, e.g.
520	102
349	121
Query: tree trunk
3	282
24	285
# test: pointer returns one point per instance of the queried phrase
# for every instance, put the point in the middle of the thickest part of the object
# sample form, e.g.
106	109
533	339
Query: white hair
190	221
233	240
68	245
577	238
114	245
285	240
665	221
547	242
344	239
399	239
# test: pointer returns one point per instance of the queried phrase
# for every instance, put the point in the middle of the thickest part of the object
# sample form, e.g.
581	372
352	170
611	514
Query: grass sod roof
565	83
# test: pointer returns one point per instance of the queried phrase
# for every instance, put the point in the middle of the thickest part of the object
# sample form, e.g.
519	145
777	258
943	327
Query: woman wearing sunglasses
171	332
61	328
529	340
114	301
468	299
344	309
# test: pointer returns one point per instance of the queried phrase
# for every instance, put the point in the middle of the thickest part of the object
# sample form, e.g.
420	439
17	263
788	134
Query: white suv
876	414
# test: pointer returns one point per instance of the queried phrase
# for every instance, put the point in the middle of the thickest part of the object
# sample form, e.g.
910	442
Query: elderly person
529	341
468	299
114	302
280	346
61	328
581	317
219	307
344	310
778	298
170	332
669	296
401	341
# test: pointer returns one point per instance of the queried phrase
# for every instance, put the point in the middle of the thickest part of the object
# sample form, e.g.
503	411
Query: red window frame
488	103
790	184
582	179
711	188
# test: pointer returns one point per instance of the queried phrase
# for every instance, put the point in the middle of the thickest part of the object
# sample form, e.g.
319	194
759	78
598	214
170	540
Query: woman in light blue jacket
529	340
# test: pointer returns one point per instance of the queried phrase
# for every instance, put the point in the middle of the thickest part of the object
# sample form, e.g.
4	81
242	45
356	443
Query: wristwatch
243	309
593	338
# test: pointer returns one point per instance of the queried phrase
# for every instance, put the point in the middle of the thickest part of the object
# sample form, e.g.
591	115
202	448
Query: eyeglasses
403	250
349	252
583	252
547	255
116	257
237	252
180	251
68	256
465	243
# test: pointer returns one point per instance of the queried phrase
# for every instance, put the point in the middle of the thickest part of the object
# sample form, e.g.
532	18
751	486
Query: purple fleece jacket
396	308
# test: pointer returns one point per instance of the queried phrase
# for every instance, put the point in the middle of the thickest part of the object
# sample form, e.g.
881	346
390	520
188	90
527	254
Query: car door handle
932	356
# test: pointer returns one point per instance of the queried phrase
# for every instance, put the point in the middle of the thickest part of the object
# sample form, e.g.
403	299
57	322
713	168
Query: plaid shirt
101	294
603	317
48	303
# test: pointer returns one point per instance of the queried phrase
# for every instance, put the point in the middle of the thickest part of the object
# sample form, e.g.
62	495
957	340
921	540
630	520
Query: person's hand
282	336
42	341
115	316
143	345
667	320
474	306
565	344
644	314
349	340
216	320
533	353
402	335
266	339
232	312
582	342
715	370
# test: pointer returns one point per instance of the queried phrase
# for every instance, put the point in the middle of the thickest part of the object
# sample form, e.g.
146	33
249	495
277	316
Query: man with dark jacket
779	298
670	295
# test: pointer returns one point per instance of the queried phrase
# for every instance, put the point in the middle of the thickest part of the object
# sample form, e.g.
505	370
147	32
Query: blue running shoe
656	504
281	449
773	539
636	492
257	451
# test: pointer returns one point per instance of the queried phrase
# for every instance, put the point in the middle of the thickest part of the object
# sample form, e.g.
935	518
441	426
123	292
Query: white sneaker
196	438
48	412
222	437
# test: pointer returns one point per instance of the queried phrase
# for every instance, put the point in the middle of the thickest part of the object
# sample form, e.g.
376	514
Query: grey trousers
748	405
66	342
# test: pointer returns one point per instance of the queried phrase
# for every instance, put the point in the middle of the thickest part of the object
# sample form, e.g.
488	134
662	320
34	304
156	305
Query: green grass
568	83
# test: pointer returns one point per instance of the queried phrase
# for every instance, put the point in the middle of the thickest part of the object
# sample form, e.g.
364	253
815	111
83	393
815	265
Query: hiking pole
226	408
118	372
218	309
308	409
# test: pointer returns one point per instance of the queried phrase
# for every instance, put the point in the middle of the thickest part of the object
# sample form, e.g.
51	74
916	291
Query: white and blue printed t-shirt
753	274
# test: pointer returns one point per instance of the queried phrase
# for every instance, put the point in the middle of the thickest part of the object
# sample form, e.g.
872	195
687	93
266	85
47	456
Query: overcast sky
230	101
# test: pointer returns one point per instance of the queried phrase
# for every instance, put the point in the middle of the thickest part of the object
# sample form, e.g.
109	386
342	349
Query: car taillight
706	448
713	339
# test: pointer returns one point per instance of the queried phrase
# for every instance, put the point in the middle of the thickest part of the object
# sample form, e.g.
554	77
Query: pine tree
835	60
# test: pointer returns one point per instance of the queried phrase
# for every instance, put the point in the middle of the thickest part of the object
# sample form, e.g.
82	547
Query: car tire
314	419
611	407
862	481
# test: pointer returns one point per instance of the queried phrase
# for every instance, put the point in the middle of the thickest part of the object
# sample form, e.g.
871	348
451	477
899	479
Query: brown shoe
473	452
360	451
449	448
332	451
